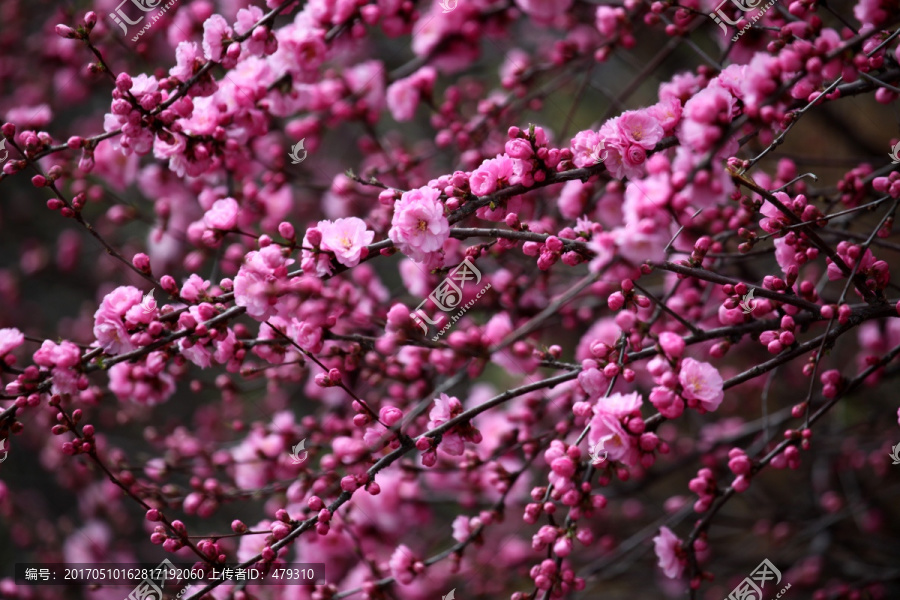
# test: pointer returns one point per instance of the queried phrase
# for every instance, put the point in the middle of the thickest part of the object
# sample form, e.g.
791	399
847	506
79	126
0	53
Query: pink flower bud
64	31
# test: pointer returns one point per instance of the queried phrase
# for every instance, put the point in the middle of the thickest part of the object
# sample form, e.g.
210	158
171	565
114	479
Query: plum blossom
445	408
404	95
215	31
607	428
401	565
346	238
668	550
223	214
702	382
109	325
62	359
260	280
10	339
493	174
588	148
641	241
544	11
640	127
419	227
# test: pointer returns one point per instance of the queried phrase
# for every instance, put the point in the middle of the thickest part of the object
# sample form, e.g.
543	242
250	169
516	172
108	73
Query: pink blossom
640	127
401	564
346	238
109	325
701	381
404	95
672	344
223	214
619	405
544	11
491	175
260	281
588	148
604	246
419	227
141	386
445	408
641	241
10	339
667	402
608	431
608	19
215	31
667	547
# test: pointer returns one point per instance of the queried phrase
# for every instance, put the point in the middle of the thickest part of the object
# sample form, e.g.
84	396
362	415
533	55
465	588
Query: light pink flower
215	30
401	564
607	430
544	11
608	19
491	175
640	127
667	112
223	214
445	408
404	95
672	344
260	280
419	227
588	148
642	241
701	381
346	238
10	339
109	325
619	405
666	545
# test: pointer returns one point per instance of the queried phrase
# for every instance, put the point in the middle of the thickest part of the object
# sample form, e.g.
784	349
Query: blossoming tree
679	332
